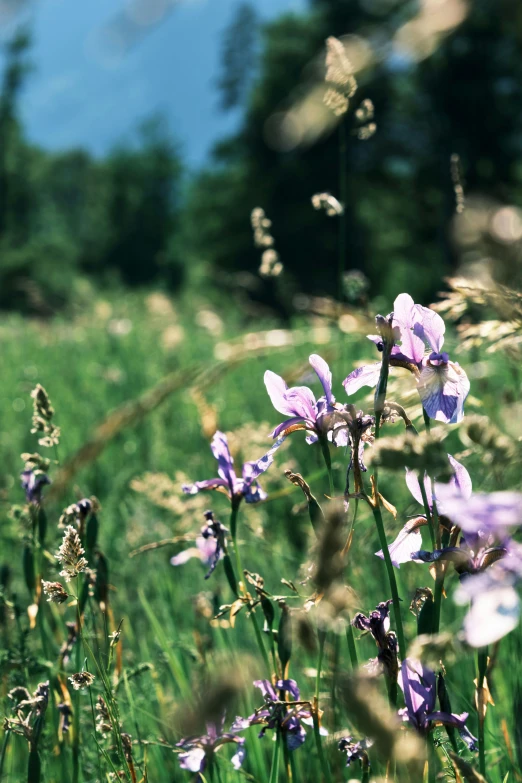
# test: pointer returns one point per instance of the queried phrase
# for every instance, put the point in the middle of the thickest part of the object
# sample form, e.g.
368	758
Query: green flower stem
241	582
427	510
482	662
350	638
322	759
328	462
76	695
391	574
274	772
439	575
379	399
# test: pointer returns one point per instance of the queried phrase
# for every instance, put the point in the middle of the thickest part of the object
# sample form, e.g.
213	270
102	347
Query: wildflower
199	751
81	680
277	713
494	604
356	751
78	512
321	418
236	488
210	545
70	554
378	625
442	384
29	711
409	540
418	684
33	482
493	512
55	592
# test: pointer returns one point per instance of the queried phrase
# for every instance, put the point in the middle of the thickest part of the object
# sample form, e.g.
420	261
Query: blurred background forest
444	78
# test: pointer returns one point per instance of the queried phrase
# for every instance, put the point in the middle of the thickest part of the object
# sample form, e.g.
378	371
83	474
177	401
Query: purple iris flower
277	714
419	686
493	512
198	751
409	540
32	483
236	488
321	418
210	545
476	552
356	751
442	384
378	625
494	604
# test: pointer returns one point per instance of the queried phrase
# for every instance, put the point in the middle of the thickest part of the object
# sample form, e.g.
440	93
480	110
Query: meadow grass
172	654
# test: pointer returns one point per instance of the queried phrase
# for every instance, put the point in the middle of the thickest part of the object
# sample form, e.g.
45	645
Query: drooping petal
418	684
252	470
266	688
401	549
443	389
412	482
295	737
185	556
193	760
430	327
452	554
324	374
214	483
295	422
458	722
238	757
368	375
205	550
493	614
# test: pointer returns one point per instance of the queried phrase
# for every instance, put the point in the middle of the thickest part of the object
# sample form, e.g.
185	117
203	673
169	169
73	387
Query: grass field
205	366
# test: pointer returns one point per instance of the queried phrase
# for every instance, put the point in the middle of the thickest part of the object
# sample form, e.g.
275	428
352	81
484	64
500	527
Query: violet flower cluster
198	752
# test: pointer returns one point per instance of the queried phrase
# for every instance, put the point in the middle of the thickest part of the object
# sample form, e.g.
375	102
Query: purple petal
214	483
461	478
303	402
266	688
430	328
493	614
221	452
412	482
295	737
194	760
324	374
290	686
494	511
401	549
238	757
443	389
252	470
368	375
285	425
185	556
418	685
277	388
405	316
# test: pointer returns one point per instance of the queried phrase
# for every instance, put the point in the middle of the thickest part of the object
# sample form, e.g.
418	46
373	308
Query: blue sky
85	93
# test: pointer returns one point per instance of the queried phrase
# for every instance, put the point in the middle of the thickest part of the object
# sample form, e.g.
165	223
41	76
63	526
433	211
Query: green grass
90	364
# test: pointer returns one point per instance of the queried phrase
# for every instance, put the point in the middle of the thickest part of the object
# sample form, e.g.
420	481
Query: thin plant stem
322	759
379	399
241	585
350	638
427	511
482	663
274	771
439	573
4	751
328	462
